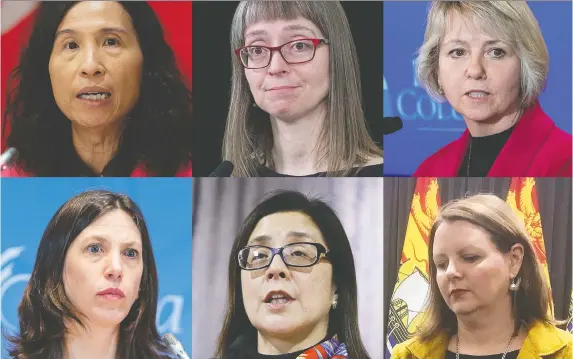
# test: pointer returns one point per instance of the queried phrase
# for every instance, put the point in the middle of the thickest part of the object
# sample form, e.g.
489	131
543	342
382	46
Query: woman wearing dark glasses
292	285
296	103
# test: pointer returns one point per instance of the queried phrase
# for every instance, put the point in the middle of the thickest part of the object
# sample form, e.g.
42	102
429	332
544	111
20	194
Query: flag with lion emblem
522	197
413	281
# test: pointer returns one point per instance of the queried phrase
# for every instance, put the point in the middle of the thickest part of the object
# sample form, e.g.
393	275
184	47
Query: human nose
277	268
475	69
92	65
452	271
277	64
114	266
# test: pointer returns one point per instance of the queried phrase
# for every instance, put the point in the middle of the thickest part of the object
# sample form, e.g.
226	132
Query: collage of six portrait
397	175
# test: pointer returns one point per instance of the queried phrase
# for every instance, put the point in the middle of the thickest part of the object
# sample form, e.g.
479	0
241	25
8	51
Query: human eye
111	41
94	248
71	45
457	53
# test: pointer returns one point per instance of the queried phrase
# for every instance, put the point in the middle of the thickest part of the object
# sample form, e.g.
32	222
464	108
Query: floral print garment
330	349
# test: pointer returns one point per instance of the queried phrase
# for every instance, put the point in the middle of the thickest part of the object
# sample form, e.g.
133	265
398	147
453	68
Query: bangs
251	12
479	19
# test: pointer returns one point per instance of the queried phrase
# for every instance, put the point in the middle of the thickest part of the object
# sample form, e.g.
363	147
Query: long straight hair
45	307
343	320
489	212
344	142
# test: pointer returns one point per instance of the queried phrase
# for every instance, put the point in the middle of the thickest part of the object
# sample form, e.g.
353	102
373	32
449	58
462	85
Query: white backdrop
221	204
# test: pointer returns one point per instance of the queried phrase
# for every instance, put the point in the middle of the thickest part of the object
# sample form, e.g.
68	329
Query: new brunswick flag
570	322
522	197
413	282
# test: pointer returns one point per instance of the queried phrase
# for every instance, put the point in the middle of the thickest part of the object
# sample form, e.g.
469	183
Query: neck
96	147
486	331
91	343
296	142
270	344
494	125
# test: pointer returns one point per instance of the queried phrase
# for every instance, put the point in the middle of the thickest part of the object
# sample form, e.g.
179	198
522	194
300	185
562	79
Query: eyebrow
461	42
461	250
103	239
294	27
103	30
264	239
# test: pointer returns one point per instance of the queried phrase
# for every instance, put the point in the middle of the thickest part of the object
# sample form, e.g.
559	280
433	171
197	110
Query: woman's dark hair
157	129
45	307
344	319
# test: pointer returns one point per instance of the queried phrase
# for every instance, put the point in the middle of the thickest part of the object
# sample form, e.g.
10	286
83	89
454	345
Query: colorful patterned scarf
330	349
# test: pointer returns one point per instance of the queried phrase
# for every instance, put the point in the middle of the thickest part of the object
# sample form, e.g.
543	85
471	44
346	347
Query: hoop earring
335	301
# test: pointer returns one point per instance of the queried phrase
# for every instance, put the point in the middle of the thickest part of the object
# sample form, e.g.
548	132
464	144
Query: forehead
451	237
286	227
89	14
113	226
470	27
278	27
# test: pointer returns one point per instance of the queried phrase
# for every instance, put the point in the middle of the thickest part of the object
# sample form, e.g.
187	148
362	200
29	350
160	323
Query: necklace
504	353
469	158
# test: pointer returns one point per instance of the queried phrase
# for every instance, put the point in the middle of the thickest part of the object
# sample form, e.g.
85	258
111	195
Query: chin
108	317
278	325
463	308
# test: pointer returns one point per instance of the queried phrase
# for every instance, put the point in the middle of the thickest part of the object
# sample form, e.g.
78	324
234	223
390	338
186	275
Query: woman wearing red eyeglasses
295	97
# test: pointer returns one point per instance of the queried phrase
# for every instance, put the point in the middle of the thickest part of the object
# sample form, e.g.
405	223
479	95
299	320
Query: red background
175	17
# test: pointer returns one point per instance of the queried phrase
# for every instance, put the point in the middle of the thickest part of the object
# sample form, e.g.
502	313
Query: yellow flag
522	197
413	281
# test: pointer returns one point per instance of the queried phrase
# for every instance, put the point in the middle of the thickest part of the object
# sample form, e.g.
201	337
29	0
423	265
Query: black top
484	151
510	355
280	356
245	347
366	171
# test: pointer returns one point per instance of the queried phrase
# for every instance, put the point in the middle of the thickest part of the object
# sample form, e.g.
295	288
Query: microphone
391	124
175	346
223	170
9	156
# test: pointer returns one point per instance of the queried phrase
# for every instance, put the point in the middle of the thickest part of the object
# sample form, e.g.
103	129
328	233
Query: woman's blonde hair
344	141
510	21
492	214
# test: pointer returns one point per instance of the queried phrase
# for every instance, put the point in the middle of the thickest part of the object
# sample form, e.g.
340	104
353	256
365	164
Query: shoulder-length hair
511	21
489	212
344	319
344	141
156	129
45	307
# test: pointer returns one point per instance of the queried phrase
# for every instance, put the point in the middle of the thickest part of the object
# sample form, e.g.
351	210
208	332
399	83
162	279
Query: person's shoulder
431	164
401	351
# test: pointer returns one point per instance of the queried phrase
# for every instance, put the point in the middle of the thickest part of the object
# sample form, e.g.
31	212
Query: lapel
543	340
526	140
434	348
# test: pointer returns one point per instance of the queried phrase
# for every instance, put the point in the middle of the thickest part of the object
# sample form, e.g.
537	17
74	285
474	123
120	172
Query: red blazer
535	148
139	171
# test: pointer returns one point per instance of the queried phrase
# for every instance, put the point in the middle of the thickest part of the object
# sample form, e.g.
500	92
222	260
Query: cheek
75	278
254	80
60	80
128	73
248	288
316	291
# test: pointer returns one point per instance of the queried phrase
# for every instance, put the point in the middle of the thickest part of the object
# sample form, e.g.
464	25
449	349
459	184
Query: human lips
111	293
477	94
281	88
94	93
277	300
457	291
